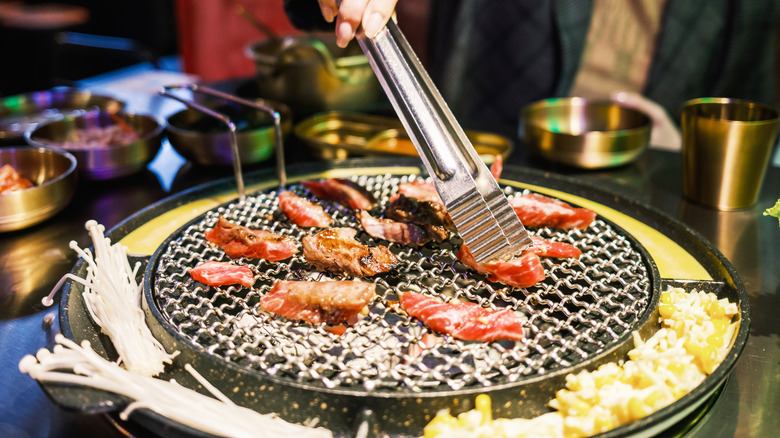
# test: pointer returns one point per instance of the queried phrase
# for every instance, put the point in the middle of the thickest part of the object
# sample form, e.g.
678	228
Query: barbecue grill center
581	308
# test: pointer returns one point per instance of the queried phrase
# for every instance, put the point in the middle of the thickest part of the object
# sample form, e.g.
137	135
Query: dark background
37	57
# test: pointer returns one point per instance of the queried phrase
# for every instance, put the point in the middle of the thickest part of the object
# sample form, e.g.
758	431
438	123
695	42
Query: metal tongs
480	210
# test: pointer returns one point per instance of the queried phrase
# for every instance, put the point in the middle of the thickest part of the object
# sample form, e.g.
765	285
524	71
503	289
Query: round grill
581	308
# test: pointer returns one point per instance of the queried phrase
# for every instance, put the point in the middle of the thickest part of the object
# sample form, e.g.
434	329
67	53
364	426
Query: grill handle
258	105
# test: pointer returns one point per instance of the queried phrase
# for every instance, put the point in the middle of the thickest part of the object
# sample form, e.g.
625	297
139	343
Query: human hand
665	133
372	14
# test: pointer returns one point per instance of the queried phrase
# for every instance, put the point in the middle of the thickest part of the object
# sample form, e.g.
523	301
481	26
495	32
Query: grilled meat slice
343	191
240	241
329	302
336	250
523	271
432	216
213	273
388	229
303	212
419	190
536	210
467	321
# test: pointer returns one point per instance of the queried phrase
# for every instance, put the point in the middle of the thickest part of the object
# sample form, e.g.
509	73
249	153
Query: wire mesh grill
581	308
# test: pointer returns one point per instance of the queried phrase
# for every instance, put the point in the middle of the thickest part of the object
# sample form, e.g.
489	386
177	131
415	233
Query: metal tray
721	278
340	135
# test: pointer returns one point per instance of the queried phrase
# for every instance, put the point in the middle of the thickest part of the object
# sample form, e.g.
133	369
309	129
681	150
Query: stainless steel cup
727	144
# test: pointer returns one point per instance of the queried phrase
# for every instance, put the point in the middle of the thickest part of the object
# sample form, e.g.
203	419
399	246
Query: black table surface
34	259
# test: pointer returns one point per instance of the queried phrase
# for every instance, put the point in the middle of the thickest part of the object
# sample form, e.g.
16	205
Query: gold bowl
53	173
589	134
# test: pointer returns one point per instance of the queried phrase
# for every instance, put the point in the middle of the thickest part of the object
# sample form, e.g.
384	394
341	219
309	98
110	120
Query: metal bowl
312	74
583	133
54	174
205	140
23	112
110	160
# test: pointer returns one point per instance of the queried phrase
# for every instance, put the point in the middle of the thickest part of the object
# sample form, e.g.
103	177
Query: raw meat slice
467	321
523	271
11	180
303	212
240	241
213	273
548	248
536	210
497	167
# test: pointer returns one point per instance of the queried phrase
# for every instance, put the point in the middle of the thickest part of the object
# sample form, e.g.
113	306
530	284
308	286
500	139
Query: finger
350	15
329	9
376	15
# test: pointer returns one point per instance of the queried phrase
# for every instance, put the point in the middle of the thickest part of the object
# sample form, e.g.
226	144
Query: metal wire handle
279	147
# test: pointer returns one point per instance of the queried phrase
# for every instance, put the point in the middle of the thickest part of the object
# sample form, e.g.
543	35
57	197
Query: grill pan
403	406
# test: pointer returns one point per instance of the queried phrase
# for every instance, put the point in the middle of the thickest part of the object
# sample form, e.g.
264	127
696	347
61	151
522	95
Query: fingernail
373	24
328	13
344	33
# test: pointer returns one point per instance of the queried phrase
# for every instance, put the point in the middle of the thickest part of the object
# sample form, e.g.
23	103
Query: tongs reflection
480	210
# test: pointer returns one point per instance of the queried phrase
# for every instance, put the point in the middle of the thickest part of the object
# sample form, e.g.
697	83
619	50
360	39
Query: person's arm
372	14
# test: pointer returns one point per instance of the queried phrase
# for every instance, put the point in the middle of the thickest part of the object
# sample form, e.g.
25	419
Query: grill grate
581	308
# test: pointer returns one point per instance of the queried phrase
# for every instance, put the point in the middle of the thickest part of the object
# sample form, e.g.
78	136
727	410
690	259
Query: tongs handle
475	202
422	110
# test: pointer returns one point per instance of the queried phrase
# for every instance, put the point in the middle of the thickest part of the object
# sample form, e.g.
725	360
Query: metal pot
312	74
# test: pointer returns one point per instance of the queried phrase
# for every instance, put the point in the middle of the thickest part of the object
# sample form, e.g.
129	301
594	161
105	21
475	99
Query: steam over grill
582	307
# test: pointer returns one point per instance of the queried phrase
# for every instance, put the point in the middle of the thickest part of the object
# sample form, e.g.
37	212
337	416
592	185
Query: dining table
34	259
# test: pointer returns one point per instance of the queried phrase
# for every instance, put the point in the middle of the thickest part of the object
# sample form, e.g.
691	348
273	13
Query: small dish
53	174
205	140
339	135
106	145
22	112
590	134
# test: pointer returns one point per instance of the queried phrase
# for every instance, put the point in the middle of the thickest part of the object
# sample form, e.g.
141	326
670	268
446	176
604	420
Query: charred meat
419	190
329	302
431	216
393	231
336	250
